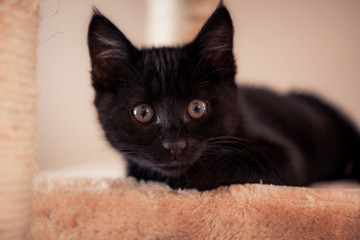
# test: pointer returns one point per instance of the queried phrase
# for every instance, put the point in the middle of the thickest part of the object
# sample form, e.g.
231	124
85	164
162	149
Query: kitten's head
161	106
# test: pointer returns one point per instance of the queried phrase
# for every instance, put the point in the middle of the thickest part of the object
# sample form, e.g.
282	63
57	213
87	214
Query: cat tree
125	209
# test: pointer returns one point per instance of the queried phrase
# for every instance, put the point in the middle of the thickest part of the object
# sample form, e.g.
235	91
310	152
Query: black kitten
178	116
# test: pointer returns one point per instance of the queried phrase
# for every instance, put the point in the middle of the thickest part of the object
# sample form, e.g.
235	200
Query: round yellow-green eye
197	108
143	113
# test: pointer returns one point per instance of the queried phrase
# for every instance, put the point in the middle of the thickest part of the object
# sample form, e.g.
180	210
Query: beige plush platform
125	209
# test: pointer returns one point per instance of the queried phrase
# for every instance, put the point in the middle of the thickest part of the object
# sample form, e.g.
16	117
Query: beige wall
308	45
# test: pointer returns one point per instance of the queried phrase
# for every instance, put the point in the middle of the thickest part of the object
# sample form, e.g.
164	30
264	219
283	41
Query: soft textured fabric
125	209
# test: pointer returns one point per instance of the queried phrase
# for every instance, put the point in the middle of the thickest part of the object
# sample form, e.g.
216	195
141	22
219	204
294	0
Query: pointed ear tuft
221	4
108	47
96	11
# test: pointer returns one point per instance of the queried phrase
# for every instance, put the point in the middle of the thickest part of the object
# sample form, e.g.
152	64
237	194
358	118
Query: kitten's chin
173	169
176	165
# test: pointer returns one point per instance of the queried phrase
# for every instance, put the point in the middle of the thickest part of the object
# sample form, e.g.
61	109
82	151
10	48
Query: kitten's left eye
143	113
197	108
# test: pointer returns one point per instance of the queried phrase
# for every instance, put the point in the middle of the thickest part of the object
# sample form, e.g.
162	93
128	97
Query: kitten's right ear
214	42
109	49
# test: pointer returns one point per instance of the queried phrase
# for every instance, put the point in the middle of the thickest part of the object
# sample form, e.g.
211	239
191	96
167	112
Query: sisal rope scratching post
18	41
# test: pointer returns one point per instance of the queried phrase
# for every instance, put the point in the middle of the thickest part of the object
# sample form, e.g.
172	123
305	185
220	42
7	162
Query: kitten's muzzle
176	161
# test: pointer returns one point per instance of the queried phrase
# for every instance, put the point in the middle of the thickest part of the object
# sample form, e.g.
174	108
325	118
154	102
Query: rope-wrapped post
18	41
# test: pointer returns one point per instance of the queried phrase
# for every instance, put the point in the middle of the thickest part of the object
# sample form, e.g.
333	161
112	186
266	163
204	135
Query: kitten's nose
175	146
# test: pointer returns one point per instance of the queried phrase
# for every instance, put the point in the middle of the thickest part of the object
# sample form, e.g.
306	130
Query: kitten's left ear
215	39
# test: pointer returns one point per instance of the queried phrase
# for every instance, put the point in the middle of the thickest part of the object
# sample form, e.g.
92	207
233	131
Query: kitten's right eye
143	113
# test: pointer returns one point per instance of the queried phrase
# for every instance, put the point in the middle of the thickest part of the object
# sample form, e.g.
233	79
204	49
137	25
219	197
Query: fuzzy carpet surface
126	209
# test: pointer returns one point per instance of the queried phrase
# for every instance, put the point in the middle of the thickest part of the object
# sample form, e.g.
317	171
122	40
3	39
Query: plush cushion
126	209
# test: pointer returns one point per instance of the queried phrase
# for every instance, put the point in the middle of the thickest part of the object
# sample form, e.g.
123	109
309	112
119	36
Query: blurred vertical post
18	42
172	22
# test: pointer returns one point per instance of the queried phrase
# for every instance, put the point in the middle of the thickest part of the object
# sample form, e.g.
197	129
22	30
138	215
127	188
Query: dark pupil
143	112
196	108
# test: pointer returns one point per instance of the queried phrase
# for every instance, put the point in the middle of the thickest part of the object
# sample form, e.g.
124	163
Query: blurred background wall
310	45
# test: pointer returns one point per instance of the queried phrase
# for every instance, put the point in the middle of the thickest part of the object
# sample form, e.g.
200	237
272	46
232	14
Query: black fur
247	135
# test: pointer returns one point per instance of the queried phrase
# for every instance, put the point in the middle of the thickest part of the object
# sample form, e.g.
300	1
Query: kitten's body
243	135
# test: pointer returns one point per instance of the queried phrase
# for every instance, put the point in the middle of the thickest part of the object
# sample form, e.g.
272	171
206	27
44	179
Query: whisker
197	67
211	72
186	177
229	158
237	147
